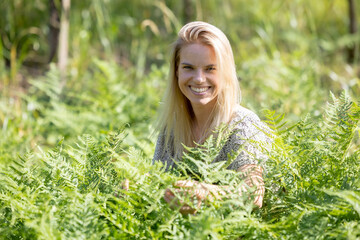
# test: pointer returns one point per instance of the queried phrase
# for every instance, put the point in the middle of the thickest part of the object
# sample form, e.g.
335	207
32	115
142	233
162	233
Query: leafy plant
75	191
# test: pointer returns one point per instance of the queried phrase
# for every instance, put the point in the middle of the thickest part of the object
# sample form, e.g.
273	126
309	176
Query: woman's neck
201	121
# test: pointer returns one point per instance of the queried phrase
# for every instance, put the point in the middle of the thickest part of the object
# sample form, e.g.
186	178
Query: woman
202	94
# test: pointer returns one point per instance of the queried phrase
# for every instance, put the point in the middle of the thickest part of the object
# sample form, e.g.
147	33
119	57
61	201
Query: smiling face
198	75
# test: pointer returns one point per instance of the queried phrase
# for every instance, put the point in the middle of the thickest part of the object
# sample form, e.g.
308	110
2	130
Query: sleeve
163	153
248	141
159	148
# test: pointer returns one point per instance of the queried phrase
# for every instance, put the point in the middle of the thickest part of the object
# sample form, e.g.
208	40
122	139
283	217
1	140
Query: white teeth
199	90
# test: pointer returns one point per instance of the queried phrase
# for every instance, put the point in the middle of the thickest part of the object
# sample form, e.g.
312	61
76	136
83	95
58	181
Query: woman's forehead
198	53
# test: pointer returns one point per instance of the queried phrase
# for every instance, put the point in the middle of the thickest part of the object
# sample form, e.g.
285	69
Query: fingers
175	203
201	191
168	195
170	198
215	192
185	183
196	191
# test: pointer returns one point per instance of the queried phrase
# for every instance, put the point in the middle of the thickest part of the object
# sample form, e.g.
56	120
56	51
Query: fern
319	152
74	191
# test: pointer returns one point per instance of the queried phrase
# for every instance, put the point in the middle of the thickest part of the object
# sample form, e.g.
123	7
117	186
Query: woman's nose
199	76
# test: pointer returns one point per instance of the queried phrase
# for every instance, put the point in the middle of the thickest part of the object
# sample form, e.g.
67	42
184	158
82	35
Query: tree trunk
54	29
64	41
188	10
352	29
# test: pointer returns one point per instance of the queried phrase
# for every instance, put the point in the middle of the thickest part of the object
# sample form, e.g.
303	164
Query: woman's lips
199	90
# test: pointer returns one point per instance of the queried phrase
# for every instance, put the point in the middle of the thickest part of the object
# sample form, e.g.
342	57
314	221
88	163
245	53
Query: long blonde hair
176	116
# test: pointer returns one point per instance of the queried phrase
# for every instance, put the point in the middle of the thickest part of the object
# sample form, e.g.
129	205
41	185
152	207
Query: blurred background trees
138	33
289	55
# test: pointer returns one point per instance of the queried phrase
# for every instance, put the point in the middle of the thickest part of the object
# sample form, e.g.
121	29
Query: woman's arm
203	191
253	178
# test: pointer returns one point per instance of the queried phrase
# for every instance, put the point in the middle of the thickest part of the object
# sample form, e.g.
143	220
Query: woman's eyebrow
189	64
185	63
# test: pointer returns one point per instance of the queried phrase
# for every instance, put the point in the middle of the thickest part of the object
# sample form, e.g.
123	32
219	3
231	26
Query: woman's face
198	75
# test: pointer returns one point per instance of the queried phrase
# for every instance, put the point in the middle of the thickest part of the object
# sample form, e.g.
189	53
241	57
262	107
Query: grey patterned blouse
250	137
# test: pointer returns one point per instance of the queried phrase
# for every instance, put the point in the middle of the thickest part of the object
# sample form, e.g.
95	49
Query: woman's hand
253	178
195	190
204	191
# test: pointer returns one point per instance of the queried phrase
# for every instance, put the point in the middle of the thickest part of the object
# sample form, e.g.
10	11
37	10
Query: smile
199	90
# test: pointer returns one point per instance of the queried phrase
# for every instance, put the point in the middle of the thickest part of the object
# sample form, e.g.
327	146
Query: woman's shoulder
247	124
249	137
244	115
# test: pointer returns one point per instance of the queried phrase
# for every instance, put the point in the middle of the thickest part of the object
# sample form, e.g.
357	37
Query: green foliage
64	154
313	163
74	191
199	162
279	56
105	103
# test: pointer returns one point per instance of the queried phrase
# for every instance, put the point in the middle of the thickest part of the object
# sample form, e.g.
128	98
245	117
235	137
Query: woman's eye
187	67
211	68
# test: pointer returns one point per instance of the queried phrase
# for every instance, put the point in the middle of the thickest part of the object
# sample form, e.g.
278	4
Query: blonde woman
203	92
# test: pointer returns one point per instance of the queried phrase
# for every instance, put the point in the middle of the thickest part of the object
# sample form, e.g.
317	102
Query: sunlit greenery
64	152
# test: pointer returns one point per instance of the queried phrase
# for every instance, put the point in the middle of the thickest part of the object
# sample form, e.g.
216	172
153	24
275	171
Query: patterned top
248	132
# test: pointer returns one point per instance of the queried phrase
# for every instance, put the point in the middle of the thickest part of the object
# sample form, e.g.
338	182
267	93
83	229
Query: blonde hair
176	116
